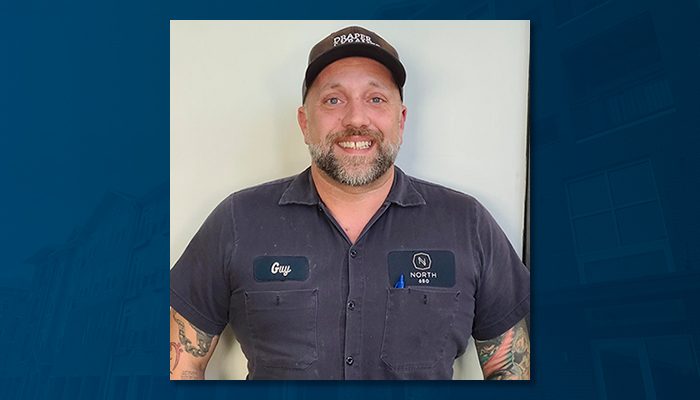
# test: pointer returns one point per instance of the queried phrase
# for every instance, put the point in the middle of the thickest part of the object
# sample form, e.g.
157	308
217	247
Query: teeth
355	145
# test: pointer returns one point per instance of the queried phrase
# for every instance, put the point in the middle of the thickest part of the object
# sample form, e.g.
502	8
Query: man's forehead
365	70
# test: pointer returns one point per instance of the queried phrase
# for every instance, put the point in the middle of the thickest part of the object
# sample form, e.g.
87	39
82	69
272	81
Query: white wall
235	87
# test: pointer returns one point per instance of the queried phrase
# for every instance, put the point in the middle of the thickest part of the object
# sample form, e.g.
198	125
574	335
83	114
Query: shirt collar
303	191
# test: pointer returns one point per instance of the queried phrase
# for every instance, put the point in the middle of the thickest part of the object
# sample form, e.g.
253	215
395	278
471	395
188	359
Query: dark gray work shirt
306	303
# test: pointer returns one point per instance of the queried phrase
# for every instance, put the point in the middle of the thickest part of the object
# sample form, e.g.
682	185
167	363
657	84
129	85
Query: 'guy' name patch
281	268
422	267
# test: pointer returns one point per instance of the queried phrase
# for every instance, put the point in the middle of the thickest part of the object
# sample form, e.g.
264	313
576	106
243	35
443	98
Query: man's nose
356	115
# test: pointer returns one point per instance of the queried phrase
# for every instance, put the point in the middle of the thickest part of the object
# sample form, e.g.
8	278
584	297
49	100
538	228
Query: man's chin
359	176
350	170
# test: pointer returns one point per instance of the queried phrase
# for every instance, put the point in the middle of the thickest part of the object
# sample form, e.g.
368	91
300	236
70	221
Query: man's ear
303	122
402	120
404	110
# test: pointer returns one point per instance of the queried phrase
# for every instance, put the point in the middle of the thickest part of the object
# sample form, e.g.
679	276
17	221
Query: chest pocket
283	326
418	322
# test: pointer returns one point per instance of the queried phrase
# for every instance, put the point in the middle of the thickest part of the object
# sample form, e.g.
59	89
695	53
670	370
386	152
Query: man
351	269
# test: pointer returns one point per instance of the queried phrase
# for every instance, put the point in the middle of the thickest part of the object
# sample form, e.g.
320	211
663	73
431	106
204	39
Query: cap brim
355	50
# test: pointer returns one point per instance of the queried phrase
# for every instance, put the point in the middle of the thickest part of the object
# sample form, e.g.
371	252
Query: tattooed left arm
506	357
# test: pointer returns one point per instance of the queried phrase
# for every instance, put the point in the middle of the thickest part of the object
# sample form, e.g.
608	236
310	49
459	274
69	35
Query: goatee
354	170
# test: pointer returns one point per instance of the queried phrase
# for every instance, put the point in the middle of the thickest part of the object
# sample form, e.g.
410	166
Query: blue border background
84	133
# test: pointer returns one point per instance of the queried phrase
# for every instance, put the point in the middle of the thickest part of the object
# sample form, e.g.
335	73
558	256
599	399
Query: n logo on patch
421	261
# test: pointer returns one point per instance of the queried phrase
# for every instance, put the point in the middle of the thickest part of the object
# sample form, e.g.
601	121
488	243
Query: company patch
422	267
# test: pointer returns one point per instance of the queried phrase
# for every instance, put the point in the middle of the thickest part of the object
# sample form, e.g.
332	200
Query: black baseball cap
353	41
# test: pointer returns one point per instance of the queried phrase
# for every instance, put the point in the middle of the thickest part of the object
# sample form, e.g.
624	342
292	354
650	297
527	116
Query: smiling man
330	274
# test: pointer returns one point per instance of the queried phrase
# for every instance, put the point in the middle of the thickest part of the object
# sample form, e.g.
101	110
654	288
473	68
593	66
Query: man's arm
190	348
506	357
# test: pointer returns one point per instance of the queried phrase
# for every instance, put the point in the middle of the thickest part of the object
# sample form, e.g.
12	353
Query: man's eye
333	101
376	100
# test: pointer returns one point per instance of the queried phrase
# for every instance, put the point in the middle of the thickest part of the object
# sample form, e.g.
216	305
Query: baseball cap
353	41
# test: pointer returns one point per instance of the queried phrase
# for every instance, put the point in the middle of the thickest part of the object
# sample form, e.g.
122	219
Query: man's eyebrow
330	85
378	85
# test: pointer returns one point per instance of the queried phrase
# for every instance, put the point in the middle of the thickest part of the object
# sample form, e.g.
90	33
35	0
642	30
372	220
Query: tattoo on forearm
506	356
203	339
175	351
192	375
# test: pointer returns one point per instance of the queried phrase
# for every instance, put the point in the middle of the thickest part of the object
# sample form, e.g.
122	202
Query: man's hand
190	348
506	357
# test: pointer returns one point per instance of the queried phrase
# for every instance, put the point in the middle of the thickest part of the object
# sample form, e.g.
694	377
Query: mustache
335	136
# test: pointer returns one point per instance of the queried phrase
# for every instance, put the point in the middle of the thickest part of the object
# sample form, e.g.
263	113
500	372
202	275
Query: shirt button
353	253
351	305
349	360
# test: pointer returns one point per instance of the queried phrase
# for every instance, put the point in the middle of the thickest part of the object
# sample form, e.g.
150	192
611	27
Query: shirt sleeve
503	290
199	281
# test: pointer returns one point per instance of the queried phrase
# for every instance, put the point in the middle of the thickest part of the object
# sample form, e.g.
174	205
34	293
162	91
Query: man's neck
352	206
339	197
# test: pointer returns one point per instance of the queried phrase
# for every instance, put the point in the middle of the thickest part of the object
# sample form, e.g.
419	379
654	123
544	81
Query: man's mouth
365	144
355	145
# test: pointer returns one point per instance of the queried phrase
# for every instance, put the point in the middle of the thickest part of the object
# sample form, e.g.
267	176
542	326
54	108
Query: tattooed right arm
190	348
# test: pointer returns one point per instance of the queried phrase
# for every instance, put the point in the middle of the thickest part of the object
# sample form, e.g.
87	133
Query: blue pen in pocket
399	284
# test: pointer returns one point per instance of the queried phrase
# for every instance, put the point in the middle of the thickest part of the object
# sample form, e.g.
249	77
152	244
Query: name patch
422	268
281	268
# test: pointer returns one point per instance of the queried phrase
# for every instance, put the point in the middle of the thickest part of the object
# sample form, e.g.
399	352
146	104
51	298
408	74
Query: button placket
353	313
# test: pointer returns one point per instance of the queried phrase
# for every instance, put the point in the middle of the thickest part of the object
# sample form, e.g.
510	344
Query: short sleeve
503	290
199	281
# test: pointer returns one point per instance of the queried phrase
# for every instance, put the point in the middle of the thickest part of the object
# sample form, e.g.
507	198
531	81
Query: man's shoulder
267	187
260	194
444	199
435	193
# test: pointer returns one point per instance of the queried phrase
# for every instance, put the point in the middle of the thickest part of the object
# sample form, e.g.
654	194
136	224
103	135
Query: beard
354	170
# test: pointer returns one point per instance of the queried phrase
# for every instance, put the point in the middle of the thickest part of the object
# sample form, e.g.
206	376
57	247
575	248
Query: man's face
353	120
